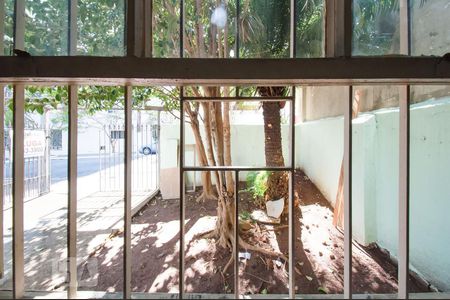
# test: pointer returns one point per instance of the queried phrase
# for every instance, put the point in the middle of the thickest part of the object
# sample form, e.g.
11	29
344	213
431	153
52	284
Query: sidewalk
45	229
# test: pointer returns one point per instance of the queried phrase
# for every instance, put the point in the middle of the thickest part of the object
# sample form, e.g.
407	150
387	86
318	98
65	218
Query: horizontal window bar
234	168
218	99
153	71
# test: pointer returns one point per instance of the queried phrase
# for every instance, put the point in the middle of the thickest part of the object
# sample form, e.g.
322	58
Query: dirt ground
319	252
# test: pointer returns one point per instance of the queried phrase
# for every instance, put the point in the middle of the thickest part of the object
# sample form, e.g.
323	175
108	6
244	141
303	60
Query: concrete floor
99	214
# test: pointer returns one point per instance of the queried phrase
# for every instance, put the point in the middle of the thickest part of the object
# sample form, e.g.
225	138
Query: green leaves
257	183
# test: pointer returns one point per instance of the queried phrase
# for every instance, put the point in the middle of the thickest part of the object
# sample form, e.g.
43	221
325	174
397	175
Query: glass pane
430	27
100	203
429	190
46	27
264	29
310	29
101	27
259	91
45	188
259	132
155	222
209	29
375	139
319	130
7	38
376	27
206	252
7	200
264	232
166	28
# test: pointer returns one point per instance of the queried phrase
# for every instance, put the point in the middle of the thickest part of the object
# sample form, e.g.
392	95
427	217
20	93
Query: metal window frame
18	191
2	26
127	192
2	170
72	193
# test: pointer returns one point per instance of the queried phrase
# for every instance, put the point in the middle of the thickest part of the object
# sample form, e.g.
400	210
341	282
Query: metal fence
145	156
36	176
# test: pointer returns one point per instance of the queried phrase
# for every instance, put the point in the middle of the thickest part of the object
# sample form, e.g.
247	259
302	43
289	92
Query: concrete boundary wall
319	152
375	179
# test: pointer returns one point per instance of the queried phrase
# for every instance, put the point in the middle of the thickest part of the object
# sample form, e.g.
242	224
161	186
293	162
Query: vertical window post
292	234
73	29
181	29
18	188
2	27
182	210
403	207
19	25
293	47
72	206
348	196
148	28
2	161
127	194
236	234
238	33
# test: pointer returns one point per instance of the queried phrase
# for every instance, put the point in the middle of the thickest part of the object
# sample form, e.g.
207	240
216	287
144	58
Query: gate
145	153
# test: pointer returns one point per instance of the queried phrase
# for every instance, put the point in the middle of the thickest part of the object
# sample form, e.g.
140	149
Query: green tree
376	27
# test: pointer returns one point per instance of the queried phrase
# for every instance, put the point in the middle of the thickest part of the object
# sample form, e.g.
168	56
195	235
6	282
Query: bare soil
319	252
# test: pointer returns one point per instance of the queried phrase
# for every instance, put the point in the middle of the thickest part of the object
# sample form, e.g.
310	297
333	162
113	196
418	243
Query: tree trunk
338	215
278	182
207	192
227	146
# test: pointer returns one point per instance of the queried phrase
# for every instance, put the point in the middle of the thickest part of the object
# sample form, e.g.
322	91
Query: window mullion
72	205
19	25
18	191
348	195
73	27
2	27
2	161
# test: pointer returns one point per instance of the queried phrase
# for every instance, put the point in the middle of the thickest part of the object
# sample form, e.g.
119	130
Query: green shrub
257	184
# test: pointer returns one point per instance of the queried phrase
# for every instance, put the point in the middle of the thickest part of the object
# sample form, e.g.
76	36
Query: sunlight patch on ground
112	253
199	267
163	279
204	224
197	247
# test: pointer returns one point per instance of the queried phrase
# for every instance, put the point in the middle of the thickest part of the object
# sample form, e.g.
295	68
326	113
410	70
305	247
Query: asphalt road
86	166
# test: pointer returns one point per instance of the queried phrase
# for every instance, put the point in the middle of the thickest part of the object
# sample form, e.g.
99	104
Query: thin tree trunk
207	192
338	215
227	146
209	143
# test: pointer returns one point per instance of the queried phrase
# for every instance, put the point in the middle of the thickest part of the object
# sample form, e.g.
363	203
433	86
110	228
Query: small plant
245	216
257	184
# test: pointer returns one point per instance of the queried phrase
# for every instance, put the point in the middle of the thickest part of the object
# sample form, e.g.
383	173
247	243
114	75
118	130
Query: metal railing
145	156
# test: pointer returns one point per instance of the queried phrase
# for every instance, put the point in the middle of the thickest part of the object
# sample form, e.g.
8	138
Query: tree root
247	246
205	197
210	234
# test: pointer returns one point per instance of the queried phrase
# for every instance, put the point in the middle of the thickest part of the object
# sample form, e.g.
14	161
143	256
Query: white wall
319	151
247	146
375	179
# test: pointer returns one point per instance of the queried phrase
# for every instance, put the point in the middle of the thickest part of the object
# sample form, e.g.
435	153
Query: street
87	165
